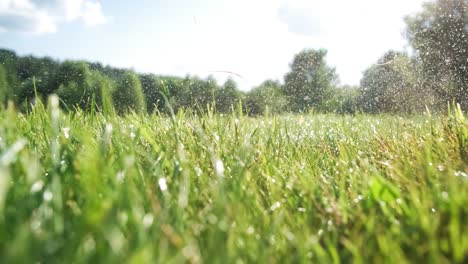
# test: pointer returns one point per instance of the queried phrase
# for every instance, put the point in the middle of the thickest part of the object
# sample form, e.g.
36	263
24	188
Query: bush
129	94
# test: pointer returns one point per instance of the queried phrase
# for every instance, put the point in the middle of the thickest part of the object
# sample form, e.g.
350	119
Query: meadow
93	187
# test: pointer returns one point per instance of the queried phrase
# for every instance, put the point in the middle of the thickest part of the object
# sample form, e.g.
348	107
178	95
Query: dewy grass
222	189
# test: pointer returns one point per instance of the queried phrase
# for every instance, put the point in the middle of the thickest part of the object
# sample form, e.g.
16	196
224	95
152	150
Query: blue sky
254	38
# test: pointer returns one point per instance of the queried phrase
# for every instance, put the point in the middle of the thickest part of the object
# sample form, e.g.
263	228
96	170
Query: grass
89	187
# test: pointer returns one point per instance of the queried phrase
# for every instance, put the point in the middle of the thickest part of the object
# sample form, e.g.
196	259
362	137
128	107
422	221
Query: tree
104	88
129	94
392	85
43	70
152	87
309	83
75	85
266	98
201	92
175	91
4	88
439	34
227	96
9	61
344	100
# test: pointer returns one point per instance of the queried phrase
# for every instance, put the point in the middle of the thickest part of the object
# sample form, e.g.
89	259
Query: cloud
299	19
44	16
92	14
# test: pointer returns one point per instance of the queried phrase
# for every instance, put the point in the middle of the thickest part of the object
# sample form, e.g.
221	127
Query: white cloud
356	33
300	20
44	16
92	14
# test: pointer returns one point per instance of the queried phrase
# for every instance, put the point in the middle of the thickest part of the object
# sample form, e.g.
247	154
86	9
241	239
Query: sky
256	39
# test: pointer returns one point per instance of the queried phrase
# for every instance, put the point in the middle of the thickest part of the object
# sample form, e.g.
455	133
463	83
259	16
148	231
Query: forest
434	74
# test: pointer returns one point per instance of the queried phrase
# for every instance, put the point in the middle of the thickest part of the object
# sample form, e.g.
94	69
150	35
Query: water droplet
116	240
37	186
445	195
120	176
66	131
129	160
89	244
54	101
212	219
162	184
219	168
250	230
47	196
198	171
148	220
320	232
275	206
109	128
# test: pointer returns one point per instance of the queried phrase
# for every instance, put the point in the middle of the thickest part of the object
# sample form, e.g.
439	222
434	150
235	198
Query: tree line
435	73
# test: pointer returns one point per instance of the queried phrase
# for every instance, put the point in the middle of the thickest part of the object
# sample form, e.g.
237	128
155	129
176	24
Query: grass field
88	187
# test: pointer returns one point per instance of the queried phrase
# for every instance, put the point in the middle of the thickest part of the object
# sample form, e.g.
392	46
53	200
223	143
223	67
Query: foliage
43	69
78	86
129	94
4	87
310	82
201	92
175	92
439	33
227	97
78	188
152	89
436	74
345	100
392	85
9	61
267	98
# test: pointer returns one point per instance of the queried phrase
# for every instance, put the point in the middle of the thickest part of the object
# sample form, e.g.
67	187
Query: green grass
89	187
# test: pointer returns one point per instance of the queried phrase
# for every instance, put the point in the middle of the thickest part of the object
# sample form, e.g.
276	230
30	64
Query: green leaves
129	94
4	87
309	83
439	34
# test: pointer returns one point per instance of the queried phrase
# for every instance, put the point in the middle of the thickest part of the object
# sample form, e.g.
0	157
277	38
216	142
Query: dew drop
148	220
219	168
37	186
162	184
47	196
66	131
275	206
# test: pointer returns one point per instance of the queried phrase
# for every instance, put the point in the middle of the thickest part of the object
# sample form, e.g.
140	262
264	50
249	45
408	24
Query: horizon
208	38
